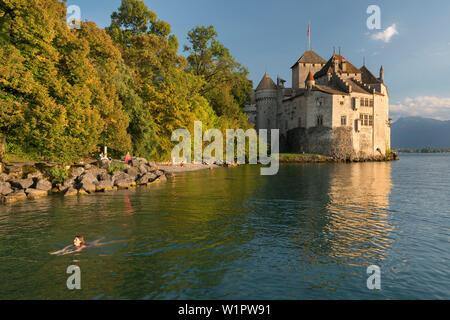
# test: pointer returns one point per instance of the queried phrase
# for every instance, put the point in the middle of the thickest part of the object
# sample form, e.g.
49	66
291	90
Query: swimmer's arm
62	250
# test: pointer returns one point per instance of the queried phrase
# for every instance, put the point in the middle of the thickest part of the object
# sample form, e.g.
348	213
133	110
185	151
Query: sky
412	44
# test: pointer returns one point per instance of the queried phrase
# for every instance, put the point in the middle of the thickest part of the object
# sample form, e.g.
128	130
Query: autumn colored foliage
65	92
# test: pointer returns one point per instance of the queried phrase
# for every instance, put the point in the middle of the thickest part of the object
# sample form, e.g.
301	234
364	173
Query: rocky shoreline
21	181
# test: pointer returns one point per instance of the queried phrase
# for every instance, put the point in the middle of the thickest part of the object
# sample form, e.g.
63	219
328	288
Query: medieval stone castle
333	108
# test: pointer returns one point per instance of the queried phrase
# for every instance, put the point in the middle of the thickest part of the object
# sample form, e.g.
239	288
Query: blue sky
271	35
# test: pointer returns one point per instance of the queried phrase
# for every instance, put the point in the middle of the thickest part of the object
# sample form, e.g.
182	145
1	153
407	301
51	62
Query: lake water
309	232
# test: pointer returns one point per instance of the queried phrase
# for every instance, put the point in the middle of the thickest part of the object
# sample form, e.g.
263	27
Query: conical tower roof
266	83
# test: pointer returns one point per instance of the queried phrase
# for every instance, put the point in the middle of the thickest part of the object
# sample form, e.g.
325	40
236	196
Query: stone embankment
317	158
21	181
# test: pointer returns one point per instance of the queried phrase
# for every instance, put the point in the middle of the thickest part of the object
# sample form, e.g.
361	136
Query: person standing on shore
127	157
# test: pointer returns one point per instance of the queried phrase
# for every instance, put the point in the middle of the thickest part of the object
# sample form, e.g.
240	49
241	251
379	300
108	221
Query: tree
57	100
226	87
165	96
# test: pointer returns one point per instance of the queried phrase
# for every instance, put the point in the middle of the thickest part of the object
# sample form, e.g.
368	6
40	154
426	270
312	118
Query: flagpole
309	35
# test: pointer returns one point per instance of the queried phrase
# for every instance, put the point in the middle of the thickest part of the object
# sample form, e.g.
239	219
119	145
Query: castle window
292	115
343	120
320	120
354	104
371	102
366	120
342	103
361	102
366	102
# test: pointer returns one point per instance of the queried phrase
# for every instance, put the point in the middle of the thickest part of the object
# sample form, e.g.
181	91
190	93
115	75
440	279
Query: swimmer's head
78	241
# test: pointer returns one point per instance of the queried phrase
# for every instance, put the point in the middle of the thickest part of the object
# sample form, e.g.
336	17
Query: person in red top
127	157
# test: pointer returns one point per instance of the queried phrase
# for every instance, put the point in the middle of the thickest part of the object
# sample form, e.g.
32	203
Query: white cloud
422	106
387	34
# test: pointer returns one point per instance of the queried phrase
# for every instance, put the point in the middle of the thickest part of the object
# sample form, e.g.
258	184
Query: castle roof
329	89
266	83
328	67
367	76
310	77
310	57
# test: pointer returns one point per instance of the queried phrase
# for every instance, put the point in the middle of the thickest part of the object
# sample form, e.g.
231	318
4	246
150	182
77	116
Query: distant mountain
417	133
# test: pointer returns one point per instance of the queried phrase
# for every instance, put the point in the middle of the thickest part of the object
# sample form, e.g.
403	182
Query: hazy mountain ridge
418	132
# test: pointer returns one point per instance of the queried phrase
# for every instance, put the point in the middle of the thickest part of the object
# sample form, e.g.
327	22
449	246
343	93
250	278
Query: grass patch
303	157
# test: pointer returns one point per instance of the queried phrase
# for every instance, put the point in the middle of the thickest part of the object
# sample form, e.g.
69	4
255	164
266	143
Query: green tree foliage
226	87
56	91
64	93
169	97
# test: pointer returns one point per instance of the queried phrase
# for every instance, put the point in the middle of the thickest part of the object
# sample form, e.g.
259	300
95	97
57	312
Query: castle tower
266	103
308	62
310	82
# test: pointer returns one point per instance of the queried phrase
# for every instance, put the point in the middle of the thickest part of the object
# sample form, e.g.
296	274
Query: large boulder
124	183
136	162
159	172
146	178
43	185
105	185
22	183
35	193
161	178
12	169
71	191
5	188
95	172
89	187
118	175
70	182
105	177
17	195
104	164
143	168
35	175
4	177
76	171
132	172
89	177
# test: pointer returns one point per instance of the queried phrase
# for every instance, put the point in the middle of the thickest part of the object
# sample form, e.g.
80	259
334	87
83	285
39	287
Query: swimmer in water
78	245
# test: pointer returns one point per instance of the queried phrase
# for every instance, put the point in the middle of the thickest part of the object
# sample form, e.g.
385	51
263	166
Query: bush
58	175
116	166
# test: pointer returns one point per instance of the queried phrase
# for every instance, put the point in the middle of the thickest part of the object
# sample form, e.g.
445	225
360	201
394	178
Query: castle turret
310	82
266	103
309	61
381	74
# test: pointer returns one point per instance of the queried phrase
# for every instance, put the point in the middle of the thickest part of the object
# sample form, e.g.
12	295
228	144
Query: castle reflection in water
343	216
